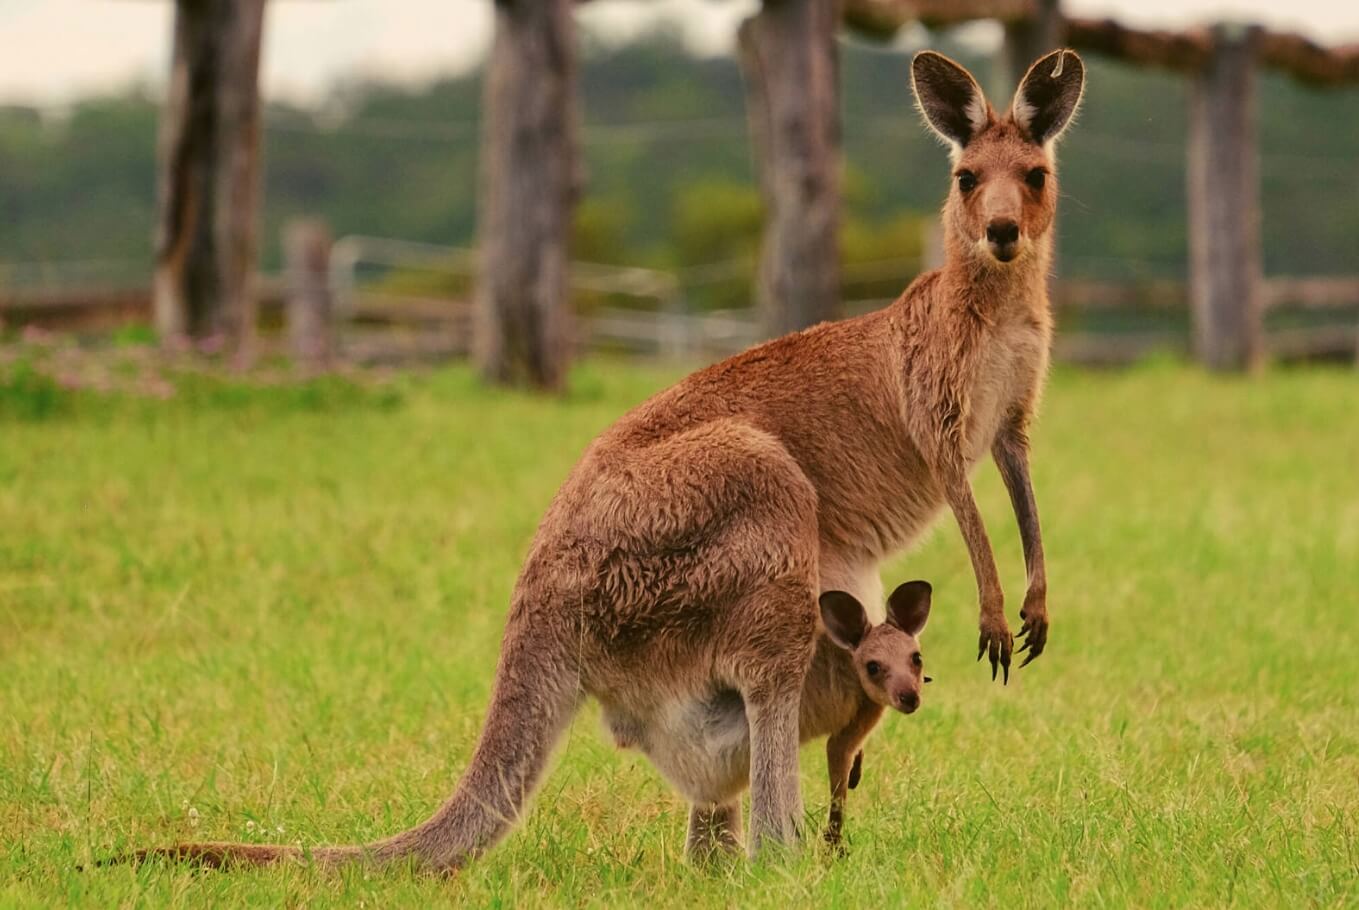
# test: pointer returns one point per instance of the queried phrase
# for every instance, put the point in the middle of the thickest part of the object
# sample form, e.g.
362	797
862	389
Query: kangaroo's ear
909	606
1048	96
845	620
949	99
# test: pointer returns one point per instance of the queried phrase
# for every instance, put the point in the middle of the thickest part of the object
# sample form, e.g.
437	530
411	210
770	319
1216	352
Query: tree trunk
523	326
789	57
311	320
1224	206
1025	41
209	176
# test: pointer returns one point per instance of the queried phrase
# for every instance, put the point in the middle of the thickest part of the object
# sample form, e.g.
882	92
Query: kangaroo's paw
996	641
1034	633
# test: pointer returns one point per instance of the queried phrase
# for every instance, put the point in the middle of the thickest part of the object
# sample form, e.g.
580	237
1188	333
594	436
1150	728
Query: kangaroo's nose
909	701
1003	231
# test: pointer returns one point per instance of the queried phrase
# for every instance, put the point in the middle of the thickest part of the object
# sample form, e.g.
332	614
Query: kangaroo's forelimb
1011	453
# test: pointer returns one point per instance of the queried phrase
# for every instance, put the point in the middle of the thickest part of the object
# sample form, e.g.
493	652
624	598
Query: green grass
281	609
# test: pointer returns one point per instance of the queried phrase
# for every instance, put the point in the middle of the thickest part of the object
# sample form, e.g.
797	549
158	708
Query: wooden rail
1314	293
1186	50
883	18
392	328
92	309
76	309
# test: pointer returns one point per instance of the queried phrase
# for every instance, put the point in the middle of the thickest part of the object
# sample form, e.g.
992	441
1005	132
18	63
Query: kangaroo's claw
1034	633
997	643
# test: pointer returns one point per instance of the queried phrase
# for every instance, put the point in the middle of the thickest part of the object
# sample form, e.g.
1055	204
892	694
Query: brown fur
855	677
858	670
676	573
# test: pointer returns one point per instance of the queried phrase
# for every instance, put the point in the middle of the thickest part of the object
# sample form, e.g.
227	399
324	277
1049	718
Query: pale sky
54	50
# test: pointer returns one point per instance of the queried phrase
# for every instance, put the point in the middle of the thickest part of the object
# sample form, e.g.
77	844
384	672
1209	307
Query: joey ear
845	620
909	606
949	98
1048	96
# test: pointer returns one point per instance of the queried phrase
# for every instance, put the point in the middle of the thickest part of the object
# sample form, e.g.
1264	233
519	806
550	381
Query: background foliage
669	171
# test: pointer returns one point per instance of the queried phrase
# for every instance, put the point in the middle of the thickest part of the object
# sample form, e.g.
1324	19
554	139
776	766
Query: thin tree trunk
1224	206
523	327
789	57
206	243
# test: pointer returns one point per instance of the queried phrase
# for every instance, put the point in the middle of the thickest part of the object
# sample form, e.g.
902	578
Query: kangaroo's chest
1009	372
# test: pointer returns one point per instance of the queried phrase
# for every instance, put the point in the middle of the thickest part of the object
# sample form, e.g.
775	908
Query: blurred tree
208	193
401	161
77	187
600	229
880	257
716	227
529	185
716	220
789	54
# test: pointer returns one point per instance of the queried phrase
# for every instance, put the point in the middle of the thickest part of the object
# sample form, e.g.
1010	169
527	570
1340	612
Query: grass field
264	615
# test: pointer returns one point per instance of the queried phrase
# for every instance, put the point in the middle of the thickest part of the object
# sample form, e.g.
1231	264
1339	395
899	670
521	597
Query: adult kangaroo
682	559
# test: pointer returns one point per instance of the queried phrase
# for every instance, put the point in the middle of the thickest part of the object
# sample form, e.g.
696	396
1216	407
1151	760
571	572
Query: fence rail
380	322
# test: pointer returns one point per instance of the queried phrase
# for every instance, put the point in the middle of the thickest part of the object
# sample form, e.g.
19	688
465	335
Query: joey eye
873	668
1036	178
917	660
967	181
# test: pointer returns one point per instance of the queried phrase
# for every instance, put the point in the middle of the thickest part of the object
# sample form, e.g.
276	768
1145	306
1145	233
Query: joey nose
1003	232
909	701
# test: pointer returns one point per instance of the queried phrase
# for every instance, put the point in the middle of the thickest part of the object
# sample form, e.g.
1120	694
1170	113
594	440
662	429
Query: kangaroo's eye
1036	178
967	181
873	668
917	660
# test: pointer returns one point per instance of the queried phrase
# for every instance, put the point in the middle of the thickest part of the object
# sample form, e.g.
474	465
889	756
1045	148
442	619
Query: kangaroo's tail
536	694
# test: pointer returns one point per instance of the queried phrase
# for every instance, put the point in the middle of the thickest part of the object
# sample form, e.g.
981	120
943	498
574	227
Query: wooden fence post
1224	205
529	185
208	193
311	312
789	58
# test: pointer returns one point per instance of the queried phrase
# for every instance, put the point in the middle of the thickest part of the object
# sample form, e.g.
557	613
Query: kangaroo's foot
713	831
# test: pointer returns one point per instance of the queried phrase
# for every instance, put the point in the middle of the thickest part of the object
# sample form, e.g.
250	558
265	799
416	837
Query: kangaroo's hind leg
727	546
778	630
713	830
768	642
